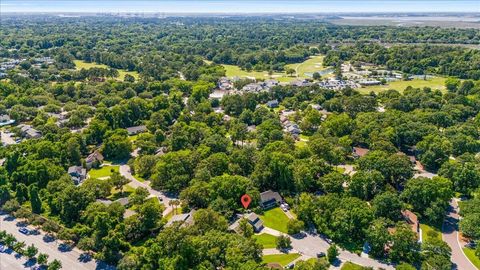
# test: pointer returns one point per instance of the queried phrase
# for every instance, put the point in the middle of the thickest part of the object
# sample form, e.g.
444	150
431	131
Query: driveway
450	235
69	259
125	171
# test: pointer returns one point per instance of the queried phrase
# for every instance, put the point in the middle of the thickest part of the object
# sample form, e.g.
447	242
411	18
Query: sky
239	6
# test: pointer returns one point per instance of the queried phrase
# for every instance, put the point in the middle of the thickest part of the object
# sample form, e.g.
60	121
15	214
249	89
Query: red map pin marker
246	200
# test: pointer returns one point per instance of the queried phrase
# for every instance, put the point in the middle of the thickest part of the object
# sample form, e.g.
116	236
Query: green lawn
300	144
266	240
352	266
340	170
104	171
232	71
472	257
426	229
79	64
139	178
282	259
116	194
311	65
434	83
276	219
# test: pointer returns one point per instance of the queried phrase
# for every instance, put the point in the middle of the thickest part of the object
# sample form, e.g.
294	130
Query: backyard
276	219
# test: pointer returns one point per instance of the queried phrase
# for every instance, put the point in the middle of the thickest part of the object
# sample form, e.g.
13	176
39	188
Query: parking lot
70	258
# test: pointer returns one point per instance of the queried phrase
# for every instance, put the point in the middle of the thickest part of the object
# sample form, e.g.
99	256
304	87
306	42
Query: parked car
2	248
321	254
471	244
24	231
290	266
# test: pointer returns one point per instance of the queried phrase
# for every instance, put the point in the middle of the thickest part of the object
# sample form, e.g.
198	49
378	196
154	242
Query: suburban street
310	245
125	171
450	235
69	259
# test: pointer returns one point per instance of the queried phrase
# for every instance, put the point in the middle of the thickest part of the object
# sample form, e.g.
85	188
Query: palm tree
10	240
174	204
3	234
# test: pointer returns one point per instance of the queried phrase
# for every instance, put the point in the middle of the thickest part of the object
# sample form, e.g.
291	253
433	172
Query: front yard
266	240
282	259
276	219
104	171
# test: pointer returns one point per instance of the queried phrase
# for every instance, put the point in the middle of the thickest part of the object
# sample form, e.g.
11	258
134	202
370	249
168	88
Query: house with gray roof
29	132
136	130
77	173
184	219
252	219
269	199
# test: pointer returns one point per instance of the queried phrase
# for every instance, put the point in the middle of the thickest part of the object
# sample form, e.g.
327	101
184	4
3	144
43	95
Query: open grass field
276	219
435	83
266	240
104	171
352	266
79	64
232	71
302	69
309	66
282	259
470	253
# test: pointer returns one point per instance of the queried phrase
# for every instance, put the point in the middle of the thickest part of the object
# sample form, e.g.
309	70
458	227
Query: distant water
240	6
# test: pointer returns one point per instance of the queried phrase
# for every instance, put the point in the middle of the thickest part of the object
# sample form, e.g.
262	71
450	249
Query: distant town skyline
245	6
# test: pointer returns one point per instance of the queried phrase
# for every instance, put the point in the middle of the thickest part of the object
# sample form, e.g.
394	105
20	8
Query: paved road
69	259
10	260
451	236
310	245
125	171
